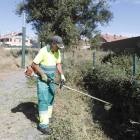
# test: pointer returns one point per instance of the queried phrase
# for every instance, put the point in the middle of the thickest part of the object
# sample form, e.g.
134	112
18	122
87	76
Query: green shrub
113	86
75	70
123	61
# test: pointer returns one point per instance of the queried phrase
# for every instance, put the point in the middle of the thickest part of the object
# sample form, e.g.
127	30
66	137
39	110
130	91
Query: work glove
63	78
45	79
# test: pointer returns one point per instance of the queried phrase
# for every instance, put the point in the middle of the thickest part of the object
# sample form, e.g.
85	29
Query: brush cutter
29	72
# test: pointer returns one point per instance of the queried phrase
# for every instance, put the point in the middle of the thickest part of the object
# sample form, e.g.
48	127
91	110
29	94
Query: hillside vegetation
80	117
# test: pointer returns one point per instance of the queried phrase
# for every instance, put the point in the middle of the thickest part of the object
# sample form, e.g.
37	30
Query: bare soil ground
17	108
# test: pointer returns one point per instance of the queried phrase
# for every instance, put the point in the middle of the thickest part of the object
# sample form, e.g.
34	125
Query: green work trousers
45	102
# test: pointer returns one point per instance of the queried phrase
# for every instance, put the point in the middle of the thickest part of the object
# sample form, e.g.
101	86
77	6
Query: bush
75	70
123	61
111	84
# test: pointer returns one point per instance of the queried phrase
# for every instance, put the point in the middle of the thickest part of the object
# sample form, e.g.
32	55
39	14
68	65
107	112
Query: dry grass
74	118
10	64
8	61
83	54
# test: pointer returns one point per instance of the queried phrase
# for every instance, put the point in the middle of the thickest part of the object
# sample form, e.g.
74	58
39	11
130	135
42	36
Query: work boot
51	120
46	131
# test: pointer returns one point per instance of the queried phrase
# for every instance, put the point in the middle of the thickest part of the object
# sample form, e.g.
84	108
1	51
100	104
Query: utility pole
23	40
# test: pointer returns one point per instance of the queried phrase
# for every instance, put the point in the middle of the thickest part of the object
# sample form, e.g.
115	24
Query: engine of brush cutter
29	72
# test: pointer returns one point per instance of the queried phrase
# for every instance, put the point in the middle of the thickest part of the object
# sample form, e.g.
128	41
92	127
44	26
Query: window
14	40
19	40
26	41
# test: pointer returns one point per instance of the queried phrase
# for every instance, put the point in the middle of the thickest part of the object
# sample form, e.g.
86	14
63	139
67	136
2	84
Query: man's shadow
29	109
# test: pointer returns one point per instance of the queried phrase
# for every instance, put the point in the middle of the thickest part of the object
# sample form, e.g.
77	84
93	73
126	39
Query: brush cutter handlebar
59	84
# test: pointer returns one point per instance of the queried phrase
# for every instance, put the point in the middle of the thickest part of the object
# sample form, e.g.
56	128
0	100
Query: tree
95	42
67	18
34	42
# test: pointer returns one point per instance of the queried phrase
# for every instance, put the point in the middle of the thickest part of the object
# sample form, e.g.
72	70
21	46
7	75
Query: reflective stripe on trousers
43	117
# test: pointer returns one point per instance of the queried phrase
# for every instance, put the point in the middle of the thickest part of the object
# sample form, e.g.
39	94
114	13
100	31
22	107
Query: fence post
135	68
73	53
94	59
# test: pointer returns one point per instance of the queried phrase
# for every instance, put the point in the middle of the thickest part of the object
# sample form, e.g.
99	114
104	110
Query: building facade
14	39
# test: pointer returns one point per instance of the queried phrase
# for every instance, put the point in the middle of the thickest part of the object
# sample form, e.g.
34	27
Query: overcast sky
126	21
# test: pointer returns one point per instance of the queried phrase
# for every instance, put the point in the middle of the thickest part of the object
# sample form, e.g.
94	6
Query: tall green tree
67	18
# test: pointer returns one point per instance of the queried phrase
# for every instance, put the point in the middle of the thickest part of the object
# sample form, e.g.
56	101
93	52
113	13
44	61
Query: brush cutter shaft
87	95
81	92
33	74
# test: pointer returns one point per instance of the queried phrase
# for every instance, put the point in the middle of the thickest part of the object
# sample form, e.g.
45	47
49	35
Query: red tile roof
110	38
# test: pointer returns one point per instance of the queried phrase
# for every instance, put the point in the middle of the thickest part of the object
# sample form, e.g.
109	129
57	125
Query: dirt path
17	108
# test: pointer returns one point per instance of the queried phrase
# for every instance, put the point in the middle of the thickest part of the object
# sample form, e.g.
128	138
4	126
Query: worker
44	64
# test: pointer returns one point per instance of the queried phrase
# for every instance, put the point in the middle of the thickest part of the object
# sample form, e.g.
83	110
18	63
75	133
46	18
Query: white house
14	39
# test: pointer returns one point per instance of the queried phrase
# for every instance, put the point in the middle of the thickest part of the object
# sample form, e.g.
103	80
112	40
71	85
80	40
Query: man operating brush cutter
44	64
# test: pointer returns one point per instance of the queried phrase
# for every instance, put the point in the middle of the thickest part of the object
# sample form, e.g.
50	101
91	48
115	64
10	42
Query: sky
126	21
10	22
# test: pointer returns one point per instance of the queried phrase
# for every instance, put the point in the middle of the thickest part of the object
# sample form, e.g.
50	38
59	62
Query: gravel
19	113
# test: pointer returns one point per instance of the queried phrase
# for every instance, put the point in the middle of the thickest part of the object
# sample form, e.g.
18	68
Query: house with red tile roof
14	39
128	45
109	38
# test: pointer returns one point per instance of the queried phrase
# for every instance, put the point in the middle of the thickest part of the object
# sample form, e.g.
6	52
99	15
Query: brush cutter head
107	106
